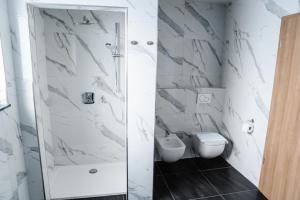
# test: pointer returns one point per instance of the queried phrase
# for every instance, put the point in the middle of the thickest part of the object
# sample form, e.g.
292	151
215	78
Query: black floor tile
116	197
214	163
211	198
189	185
184	165
248	195
160	191
157	171
228	180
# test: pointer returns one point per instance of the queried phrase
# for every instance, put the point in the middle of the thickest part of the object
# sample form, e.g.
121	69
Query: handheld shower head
108	45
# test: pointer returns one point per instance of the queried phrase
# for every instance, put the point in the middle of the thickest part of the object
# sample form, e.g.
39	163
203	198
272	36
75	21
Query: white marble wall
40	85
252	35
190	52
78	61
140	88
20	40
190	35
179	111
13	175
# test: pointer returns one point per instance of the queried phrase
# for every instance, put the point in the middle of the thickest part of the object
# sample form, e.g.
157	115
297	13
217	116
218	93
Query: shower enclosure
79	70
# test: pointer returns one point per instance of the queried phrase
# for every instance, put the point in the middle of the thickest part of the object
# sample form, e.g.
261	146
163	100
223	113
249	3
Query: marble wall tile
190	44
13	174
179	112
190	56
249	67
140	121
78	61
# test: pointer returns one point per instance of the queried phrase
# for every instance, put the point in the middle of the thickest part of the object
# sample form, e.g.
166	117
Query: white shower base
75	181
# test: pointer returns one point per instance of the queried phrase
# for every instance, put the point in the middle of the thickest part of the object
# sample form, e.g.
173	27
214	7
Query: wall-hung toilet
209	144
170	148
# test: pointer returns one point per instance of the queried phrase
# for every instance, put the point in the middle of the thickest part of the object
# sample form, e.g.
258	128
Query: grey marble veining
213	50
200	66
261	105
29	129
112	136
143	10
235	68
79	39
166	19
61	65
194	58
202	75
195	117
99	21
232	111
60	21
118	119
144	129
164	51
62	94
177	104
201	19
73	63
63	42
98	62
242	41
275	9
100	83
248	74
14	182
6	147
71	17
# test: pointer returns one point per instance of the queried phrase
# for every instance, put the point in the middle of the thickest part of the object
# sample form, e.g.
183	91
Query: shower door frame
40	135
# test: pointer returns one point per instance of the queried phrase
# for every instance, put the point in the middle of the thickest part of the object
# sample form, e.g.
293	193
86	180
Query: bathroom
147	99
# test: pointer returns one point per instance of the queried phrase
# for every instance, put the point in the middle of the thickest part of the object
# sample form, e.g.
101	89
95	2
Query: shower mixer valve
88	98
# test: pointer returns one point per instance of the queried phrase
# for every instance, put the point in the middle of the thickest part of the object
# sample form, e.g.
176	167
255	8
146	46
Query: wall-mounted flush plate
88	98
204	98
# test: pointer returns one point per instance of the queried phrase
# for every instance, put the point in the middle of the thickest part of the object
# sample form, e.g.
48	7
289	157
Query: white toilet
170	148
209	144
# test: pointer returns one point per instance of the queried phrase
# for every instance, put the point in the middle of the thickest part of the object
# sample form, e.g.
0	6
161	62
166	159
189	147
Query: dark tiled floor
117	197
198	178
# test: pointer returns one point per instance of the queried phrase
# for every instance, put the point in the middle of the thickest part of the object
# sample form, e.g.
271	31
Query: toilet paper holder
248	126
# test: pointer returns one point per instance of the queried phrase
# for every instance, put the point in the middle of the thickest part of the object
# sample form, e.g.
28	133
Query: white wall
78	61
141	89
190	53
13	175
252	35
190	48
178	111
20	36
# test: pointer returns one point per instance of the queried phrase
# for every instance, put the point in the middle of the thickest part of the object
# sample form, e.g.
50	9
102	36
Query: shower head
85	21
115	49
108	45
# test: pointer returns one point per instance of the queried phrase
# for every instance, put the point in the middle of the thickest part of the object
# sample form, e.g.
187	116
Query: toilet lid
211	138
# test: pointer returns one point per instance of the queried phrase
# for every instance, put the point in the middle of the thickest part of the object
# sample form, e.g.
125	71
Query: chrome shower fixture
85	21
115	49
115	52
88	98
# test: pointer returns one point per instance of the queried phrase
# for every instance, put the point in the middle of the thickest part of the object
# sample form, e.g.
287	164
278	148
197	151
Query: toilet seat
210	138
209	144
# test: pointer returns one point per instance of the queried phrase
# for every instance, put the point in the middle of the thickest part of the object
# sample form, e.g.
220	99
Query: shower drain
93	171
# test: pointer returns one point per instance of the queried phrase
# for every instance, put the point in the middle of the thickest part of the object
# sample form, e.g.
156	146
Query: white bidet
170	148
